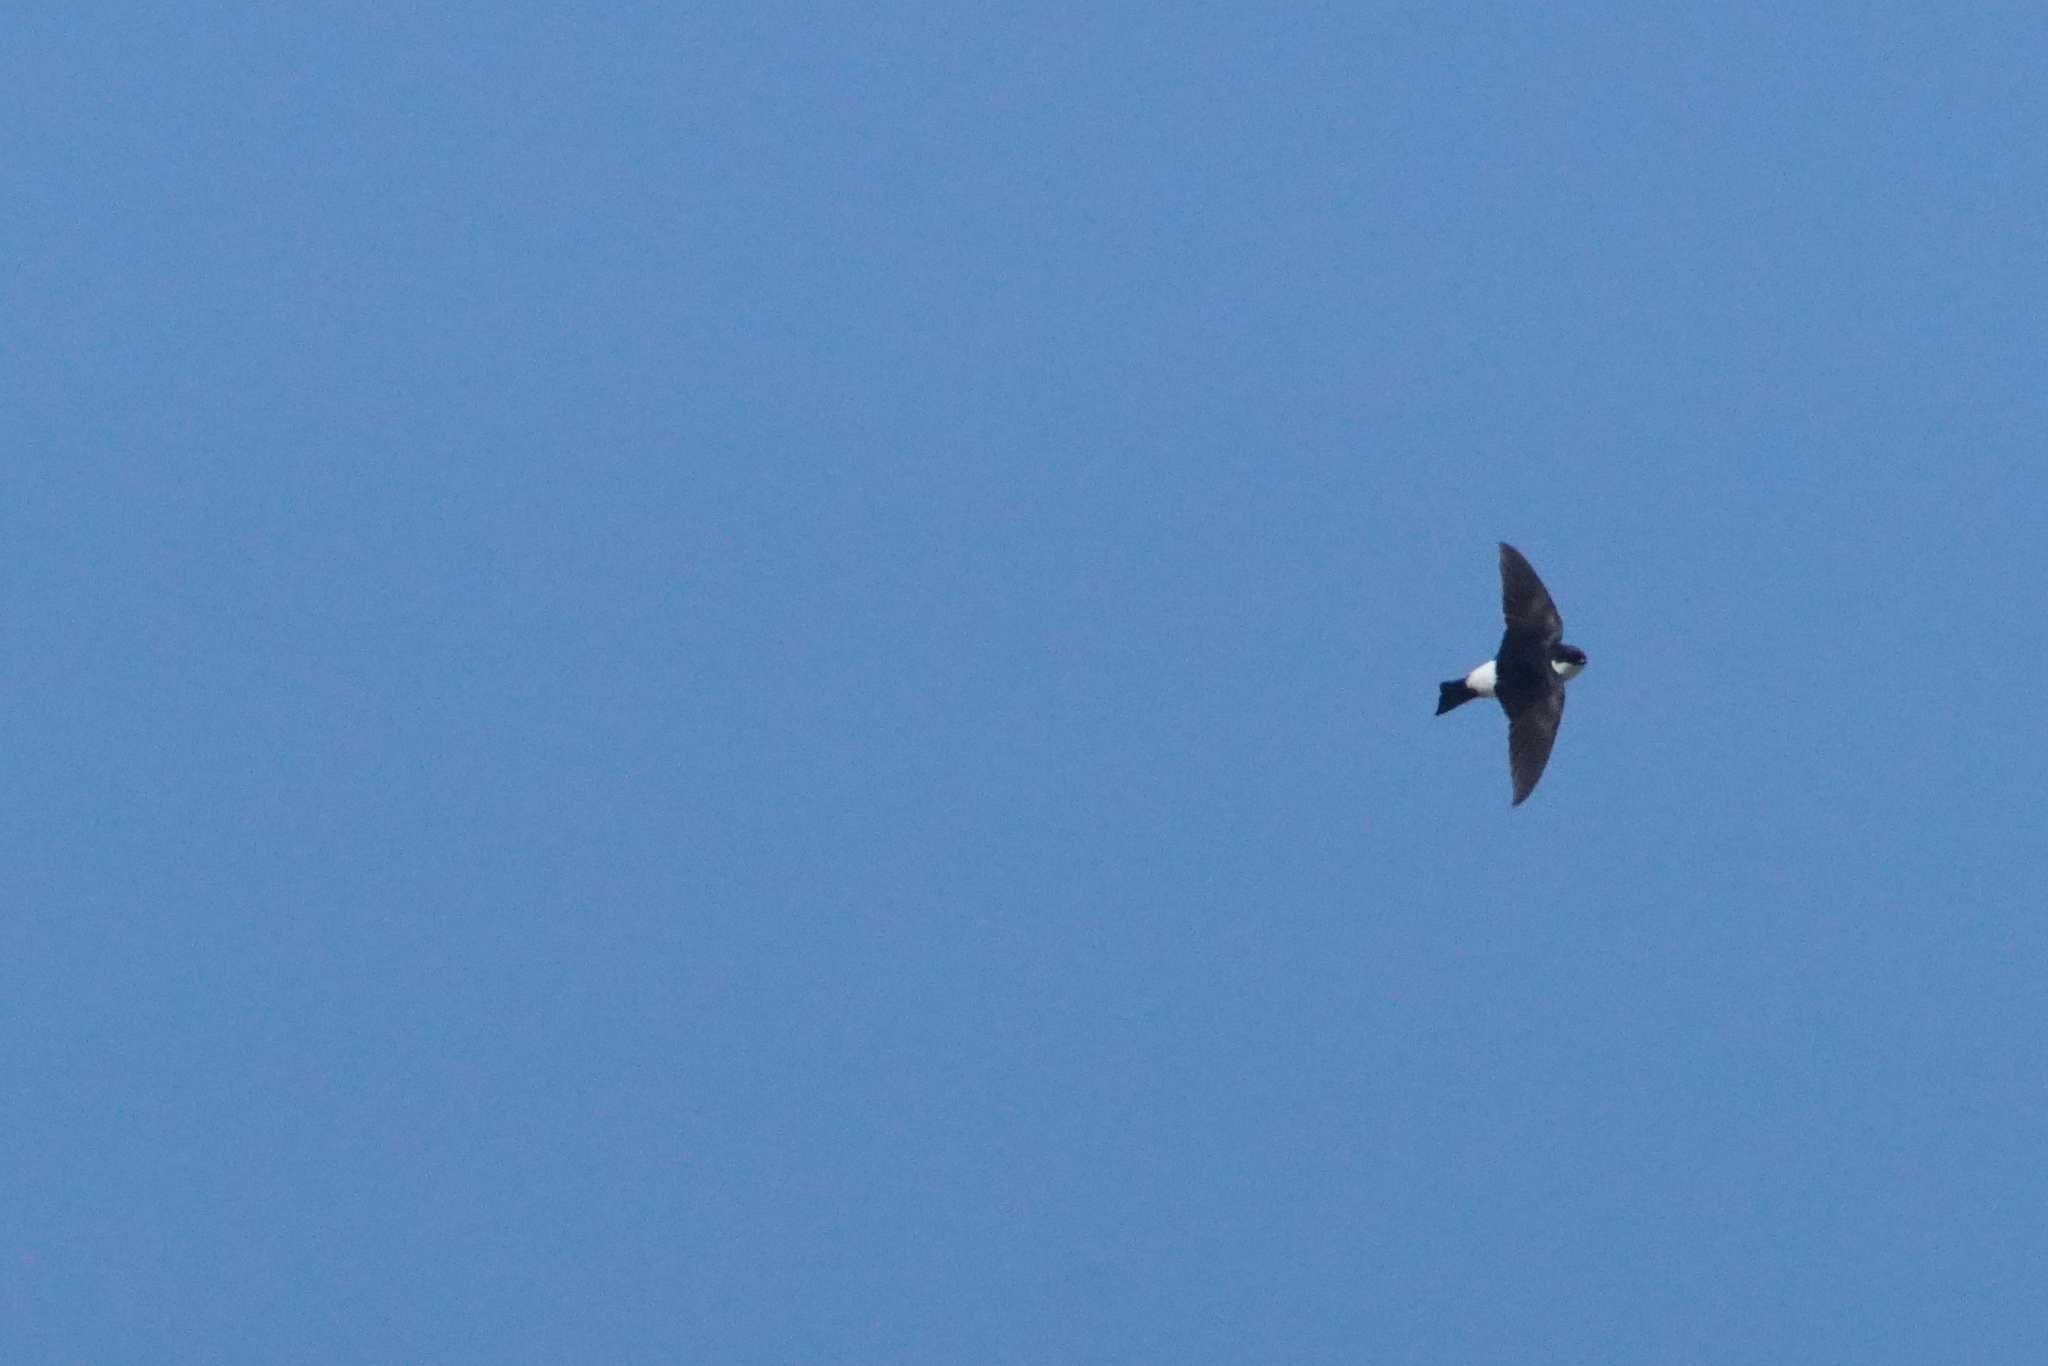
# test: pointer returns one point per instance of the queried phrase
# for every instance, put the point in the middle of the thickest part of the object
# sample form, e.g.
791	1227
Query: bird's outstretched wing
1526	603
1532	730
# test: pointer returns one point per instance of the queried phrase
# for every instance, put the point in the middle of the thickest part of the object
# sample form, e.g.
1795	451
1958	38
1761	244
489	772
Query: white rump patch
1480	680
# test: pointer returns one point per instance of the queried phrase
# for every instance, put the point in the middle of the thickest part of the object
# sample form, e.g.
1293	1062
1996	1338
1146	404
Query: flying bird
1527	674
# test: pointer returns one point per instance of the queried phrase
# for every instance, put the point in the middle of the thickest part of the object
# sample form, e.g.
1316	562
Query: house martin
1527	674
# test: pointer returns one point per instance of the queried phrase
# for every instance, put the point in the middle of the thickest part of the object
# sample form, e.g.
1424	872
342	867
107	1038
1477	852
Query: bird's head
1567	660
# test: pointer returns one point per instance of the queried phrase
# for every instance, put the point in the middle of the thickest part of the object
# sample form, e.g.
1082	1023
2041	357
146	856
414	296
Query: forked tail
1452	694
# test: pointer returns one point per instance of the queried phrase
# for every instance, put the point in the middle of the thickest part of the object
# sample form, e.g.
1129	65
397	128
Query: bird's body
1526	675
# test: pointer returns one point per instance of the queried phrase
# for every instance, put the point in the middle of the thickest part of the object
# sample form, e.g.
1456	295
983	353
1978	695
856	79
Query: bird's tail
1452	694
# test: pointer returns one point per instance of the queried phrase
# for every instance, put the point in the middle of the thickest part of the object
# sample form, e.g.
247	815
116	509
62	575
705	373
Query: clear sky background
757	687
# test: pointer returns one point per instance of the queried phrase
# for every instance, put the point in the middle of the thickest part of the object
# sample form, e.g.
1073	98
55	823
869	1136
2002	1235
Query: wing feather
1525	602
1532	730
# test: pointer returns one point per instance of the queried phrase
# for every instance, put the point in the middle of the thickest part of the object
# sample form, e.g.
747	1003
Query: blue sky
757	687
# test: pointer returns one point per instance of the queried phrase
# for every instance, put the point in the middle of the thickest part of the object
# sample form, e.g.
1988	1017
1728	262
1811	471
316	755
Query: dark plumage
1529	671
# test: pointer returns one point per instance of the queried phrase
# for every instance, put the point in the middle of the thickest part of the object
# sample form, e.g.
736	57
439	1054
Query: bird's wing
1525	602
1532	730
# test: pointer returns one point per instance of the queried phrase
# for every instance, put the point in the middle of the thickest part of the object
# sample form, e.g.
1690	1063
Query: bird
1526	675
